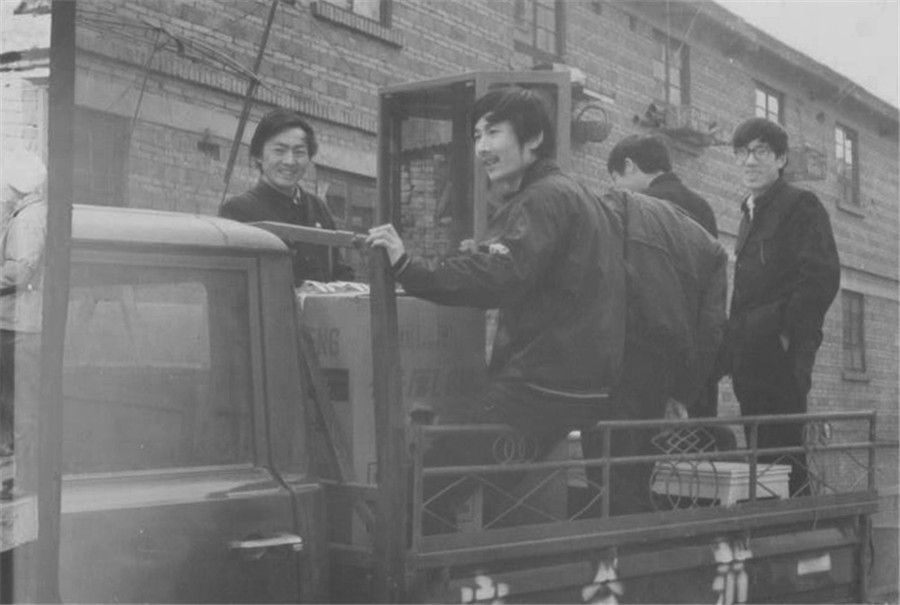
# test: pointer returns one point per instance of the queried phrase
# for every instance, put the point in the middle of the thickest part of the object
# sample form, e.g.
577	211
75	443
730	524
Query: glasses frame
760	152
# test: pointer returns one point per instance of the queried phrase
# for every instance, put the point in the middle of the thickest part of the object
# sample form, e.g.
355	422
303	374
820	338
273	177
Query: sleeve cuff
401	264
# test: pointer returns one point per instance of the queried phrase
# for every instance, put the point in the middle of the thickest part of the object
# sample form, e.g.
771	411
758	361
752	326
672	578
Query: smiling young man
550	261
282	149
786	275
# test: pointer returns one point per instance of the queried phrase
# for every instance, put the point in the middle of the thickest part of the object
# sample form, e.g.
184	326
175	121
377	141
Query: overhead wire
185	47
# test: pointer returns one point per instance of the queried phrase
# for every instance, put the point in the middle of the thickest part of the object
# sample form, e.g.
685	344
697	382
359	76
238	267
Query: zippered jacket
787	270
551	262
677	284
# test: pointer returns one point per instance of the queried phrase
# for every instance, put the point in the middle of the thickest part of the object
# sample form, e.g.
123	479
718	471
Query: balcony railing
686	123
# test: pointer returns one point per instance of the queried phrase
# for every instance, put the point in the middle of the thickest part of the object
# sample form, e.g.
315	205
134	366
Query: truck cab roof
141	227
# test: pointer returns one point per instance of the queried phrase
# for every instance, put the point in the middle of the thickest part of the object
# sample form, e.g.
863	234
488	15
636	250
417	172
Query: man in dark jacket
551	262
786	275
282	149
641	163
677	285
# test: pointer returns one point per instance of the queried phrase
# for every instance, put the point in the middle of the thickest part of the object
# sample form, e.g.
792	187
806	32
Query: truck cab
185	462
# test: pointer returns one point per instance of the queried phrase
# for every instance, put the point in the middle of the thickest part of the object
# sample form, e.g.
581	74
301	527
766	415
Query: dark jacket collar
665	177
767	196
264	189
538	170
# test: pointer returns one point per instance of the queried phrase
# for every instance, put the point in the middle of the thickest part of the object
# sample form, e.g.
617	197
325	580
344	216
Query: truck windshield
156	368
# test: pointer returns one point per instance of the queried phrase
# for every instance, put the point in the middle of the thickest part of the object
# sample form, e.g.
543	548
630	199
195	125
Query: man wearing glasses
786	274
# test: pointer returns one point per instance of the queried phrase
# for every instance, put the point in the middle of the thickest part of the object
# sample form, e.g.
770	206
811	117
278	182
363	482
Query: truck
213	448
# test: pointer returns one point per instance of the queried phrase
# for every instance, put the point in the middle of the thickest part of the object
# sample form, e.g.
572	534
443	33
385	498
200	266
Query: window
854	331
769	103
350	198
670	70
847	165
156	365
102	142
370	9
371	18
539	28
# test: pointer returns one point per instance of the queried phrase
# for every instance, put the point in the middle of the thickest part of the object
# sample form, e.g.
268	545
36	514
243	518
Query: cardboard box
727	482
442	358
18	521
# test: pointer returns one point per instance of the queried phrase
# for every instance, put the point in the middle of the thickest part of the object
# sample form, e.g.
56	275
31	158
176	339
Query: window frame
258	452
559	33
384	14
328	10
661	40
352	183
847	183
769	93
853	314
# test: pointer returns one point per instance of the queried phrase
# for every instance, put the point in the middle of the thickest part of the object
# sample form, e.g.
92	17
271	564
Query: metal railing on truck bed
713	517
721	521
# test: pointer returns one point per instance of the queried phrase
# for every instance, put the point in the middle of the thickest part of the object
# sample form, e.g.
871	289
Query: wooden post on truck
392	502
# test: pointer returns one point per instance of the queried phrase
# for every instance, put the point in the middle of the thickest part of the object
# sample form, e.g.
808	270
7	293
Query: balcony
684	123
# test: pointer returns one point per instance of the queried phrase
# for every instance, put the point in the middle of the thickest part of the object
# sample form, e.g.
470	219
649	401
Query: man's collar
663	177
536	171
264	186
763	199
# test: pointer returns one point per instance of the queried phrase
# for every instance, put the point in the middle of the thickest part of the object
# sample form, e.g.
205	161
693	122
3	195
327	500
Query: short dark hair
649	152
527	110
766	131
274	123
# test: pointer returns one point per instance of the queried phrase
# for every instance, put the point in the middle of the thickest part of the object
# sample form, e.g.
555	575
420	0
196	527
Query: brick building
160	85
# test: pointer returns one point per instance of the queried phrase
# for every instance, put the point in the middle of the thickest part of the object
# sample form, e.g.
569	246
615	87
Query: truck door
168	493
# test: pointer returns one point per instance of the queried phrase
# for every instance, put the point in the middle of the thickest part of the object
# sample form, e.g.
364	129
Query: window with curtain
854	331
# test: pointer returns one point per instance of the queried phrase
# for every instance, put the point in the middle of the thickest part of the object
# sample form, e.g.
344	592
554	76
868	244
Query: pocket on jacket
762	323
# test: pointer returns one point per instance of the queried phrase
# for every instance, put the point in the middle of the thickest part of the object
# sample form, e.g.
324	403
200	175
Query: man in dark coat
641	163
551	263
282	149
677	286
786	275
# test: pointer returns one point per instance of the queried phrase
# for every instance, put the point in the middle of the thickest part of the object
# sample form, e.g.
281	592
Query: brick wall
330	66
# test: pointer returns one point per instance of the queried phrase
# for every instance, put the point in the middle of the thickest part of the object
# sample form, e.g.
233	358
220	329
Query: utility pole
248	99
60	145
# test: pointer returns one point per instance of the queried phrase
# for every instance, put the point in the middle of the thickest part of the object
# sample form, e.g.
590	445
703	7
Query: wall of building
179	106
